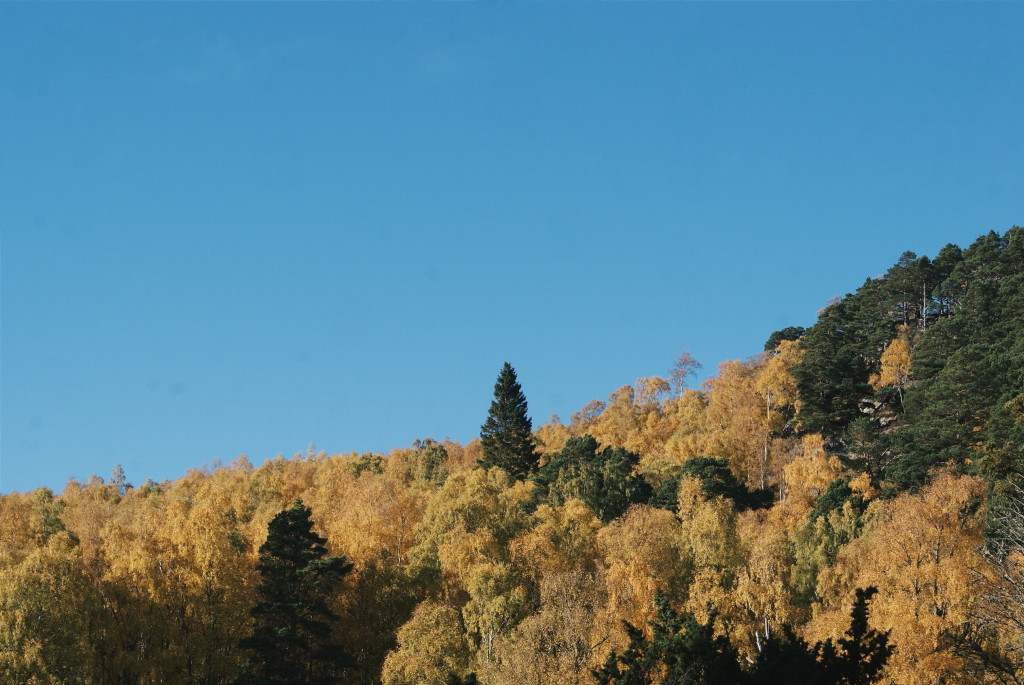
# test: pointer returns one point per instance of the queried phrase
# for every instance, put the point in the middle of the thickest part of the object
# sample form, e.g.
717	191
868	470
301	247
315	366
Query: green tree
857	658
507	434
681	650
786	658
605	480
291	643
967	367
840	353
835	496
787	333
717	480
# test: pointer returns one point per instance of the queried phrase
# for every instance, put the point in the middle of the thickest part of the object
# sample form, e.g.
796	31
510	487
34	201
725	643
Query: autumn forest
844	506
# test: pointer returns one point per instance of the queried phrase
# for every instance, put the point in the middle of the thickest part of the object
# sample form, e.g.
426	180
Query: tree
716	479
920	552
641	552
48	610
990	641
605	480
839	352
683	368
682	651
431	646
562	640
291	642
859	656
507	434
787	333
967	366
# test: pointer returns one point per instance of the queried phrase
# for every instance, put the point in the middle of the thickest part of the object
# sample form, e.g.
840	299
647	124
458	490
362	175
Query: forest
844	506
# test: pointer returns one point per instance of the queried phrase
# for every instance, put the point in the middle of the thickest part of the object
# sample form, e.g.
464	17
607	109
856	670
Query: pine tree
291	642
681	651
605	480
507	434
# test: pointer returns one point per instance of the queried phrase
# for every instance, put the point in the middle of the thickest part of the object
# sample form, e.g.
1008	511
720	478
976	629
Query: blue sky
247	228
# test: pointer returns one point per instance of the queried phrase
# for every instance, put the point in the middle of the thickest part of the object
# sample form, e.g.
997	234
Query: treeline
731	526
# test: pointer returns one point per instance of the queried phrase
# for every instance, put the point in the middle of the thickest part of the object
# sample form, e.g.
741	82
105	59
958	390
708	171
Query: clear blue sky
245	228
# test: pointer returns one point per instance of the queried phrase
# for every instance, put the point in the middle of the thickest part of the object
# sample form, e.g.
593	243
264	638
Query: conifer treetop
507	434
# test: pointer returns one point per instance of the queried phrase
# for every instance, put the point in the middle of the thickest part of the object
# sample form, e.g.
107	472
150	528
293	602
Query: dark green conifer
605	480
507	434
291	643
717	480
787	333
682	651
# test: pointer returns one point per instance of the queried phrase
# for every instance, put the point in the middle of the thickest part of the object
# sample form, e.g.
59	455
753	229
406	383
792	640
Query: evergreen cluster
961	400
717	480
605	480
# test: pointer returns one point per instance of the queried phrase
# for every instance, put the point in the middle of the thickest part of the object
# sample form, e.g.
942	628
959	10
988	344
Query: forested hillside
843	507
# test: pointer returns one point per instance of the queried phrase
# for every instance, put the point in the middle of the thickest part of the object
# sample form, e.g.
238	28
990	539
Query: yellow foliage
551	437
479	500
709	547
48	611
895	362
641	555
18	529
739	416
431	645
568	635
921	552
563	540
807	476
496	603
707	527
762	591
376	520
636	417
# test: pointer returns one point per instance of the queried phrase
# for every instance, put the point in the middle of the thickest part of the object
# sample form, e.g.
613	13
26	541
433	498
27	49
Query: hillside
881	448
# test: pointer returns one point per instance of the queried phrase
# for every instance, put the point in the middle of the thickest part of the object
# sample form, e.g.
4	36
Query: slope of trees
730	526
920	368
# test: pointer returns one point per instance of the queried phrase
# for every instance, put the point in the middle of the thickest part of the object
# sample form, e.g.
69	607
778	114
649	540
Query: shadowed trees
684	651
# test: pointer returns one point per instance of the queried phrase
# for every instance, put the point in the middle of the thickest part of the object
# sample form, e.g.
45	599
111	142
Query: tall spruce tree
291	642
507	434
